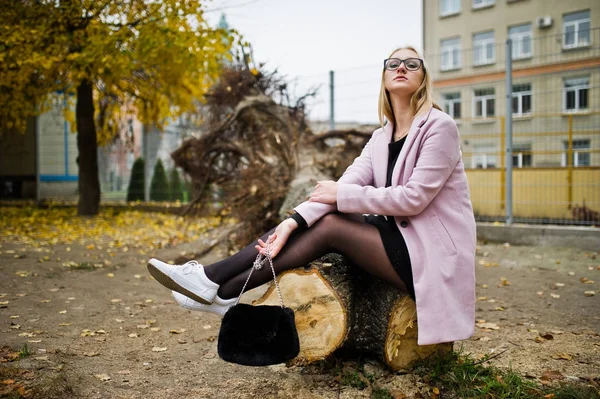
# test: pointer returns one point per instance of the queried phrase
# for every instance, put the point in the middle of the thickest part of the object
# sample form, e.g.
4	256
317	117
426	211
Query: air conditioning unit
543	22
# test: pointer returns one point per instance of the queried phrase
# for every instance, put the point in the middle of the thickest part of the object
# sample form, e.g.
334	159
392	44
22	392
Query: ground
90	322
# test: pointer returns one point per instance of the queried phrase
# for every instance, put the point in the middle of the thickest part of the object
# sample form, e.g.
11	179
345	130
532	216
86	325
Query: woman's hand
325	192
277	240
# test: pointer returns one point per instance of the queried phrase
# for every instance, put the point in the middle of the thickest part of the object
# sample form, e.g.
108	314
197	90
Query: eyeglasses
412	64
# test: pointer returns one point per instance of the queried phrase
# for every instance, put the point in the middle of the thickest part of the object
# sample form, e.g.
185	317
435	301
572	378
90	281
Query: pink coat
430	200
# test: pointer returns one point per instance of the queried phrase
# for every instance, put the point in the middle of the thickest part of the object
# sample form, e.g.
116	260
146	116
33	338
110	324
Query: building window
576	29
521	99
575	94
484	103
449	7
521	155
484	156
483	3
521	41
452	105
580	156
484	49
450	54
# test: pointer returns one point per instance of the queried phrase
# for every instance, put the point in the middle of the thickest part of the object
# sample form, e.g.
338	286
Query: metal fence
530	138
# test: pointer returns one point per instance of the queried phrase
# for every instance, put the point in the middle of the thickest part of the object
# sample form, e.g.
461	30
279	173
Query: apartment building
555	91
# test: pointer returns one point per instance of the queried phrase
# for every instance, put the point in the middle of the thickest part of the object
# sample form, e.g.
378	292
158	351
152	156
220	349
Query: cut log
339	307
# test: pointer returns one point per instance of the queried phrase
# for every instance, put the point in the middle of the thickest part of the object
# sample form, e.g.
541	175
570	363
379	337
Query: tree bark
339	307
87	146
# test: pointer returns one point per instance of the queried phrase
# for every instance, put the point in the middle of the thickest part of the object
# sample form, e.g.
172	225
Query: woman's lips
401	78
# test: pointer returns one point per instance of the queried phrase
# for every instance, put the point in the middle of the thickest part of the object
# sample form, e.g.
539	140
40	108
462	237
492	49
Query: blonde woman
418	232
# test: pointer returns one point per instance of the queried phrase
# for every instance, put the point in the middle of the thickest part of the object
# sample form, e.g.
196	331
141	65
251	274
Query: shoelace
188	267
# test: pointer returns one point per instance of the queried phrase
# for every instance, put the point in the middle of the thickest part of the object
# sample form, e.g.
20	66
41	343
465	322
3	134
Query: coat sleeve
439	154
359	173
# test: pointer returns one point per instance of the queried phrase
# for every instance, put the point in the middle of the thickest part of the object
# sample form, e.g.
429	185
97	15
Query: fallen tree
340	308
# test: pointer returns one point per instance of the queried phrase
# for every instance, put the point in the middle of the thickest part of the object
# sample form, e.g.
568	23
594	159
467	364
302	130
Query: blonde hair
421	100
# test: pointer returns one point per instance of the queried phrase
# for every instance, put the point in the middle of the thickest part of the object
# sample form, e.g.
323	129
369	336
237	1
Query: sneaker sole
173	285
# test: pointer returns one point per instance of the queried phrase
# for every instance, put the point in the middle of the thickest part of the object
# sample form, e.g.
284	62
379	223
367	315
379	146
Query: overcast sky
304	39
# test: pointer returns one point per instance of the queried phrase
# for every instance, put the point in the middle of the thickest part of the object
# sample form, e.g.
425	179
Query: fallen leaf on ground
555	296
102	377
110	274
491	326
91	354
552	375
158	349
562	356
589	293
133	335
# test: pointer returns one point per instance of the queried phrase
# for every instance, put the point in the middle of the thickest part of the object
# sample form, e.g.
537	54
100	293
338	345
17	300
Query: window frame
522	151
517	42
576	24
449	103
452	49
483	45
576	89
585	153
484	98
453	11
519	96
483	3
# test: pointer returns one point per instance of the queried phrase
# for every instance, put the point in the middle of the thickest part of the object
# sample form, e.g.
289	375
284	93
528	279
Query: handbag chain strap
257	265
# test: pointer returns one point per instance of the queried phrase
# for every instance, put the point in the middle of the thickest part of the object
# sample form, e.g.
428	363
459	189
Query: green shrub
175	186
159	186
135	191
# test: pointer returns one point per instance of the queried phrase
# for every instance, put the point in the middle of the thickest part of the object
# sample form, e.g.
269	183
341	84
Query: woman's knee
330	225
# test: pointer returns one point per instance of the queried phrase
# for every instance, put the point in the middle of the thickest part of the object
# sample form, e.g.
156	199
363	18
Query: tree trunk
339	307
87	146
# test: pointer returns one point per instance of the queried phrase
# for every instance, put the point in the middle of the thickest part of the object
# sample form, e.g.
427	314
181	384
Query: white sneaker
218	307
188	279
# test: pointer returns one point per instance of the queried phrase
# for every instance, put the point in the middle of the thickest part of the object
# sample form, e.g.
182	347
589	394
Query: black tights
345	234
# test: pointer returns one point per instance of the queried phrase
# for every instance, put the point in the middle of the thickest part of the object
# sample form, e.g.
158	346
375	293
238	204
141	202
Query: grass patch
381	393
24	351
354	379
83	266
461	376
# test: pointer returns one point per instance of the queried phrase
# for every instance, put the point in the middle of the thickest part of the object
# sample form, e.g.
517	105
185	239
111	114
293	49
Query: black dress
393	242
392	238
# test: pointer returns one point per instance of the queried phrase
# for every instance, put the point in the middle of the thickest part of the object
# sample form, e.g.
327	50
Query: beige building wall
548	126
498	17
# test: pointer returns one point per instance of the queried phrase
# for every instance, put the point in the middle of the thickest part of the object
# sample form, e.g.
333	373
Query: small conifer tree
135	191
159	186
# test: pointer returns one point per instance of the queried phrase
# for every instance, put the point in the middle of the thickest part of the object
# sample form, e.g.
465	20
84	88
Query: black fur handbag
258	335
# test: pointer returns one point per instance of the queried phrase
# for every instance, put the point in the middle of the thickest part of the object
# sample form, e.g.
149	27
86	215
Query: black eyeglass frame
421	64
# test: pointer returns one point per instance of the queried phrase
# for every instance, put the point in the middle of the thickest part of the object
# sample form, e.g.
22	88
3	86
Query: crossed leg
345	234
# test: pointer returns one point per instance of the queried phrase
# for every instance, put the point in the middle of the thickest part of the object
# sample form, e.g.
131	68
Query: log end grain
321	317
401	349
